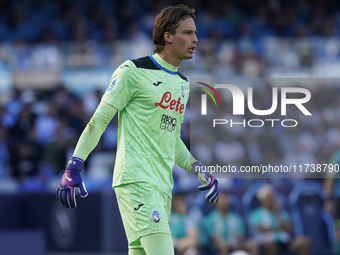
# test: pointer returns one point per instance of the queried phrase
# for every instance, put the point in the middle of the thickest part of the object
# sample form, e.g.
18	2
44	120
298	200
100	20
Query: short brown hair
168	21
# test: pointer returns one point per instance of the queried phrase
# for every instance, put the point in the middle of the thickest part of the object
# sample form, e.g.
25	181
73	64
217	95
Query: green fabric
148	201
164	64
335	160
228	227
336	247
154	244
94	129
147	133
335	157
183	157
136	251
157	244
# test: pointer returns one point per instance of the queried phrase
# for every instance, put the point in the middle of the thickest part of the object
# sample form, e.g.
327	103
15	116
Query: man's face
183	43
223	204
269	201
179	204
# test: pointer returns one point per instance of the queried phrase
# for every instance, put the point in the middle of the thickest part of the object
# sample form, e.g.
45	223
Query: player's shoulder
125	68
144	63
126	65
147	63
182	76
132	66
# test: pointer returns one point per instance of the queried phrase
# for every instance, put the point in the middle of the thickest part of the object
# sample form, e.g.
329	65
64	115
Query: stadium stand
310	218
57	56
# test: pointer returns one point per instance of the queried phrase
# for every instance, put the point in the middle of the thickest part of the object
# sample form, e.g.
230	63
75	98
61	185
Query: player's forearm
182	155
94	130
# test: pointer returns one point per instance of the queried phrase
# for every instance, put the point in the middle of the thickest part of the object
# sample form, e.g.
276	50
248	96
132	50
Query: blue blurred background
56	60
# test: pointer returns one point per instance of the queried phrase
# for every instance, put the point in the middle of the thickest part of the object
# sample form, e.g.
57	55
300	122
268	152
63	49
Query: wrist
75	164
77	158
197	167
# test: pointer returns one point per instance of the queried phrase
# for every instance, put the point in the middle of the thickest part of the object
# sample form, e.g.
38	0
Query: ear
167	37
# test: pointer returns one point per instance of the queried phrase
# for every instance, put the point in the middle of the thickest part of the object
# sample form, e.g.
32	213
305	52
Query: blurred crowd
39	128
38	133
312	141
106	20
263	223
82	42
235	37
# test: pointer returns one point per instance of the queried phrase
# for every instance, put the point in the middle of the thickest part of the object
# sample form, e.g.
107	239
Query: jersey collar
162	64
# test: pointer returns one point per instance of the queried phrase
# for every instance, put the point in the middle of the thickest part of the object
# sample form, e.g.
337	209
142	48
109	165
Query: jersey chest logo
156	84
167	102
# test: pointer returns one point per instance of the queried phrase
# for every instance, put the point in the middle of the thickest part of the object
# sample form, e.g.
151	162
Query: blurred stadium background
56	60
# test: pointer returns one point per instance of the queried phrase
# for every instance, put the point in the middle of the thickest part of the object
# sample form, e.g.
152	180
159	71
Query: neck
168	57
267	207
223	212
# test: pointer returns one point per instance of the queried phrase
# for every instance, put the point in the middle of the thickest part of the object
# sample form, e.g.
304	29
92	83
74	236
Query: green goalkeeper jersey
151	98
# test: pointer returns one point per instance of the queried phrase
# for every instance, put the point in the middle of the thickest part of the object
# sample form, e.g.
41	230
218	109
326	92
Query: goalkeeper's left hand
71	180
207	180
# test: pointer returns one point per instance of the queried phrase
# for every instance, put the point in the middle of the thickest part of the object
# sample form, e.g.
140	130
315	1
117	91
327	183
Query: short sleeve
334	159
123	86
240	228
285	216
209	224
254	219
190	224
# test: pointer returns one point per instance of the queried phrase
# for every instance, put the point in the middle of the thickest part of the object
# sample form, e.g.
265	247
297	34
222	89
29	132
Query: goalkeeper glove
207	180
71	180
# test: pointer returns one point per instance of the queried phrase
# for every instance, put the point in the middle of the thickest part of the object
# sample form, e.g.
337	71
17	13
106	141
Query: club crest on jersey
182	91
112	85
155	216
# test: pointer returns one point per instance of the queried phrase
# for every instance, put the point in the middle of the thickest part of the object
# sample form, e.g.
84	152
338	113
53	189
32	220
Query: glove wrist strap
75	163
196	168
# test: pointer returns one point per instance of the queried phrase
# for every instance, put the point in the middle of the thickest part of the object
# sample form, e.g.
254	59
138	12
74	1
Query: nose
195	39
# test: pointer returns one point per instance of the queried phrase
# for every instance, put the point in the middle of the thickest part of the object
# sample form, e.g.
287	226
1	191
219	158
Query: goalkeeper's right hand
71	180
207	180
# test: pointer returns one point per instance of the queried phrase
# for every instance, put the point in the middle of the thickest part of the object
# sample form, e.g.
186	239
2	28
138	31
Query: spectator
183	228
4	151
337	237
108	20
271	226
26	161
226	229
47	124
332	186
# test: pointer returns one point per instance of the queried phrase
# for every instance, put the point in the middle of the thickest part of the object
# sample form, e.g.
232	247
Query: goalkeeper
150	96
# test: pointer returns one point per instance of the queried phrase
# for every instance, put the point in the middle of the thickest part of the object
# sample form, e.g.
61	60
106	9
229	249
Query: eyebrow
189	30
